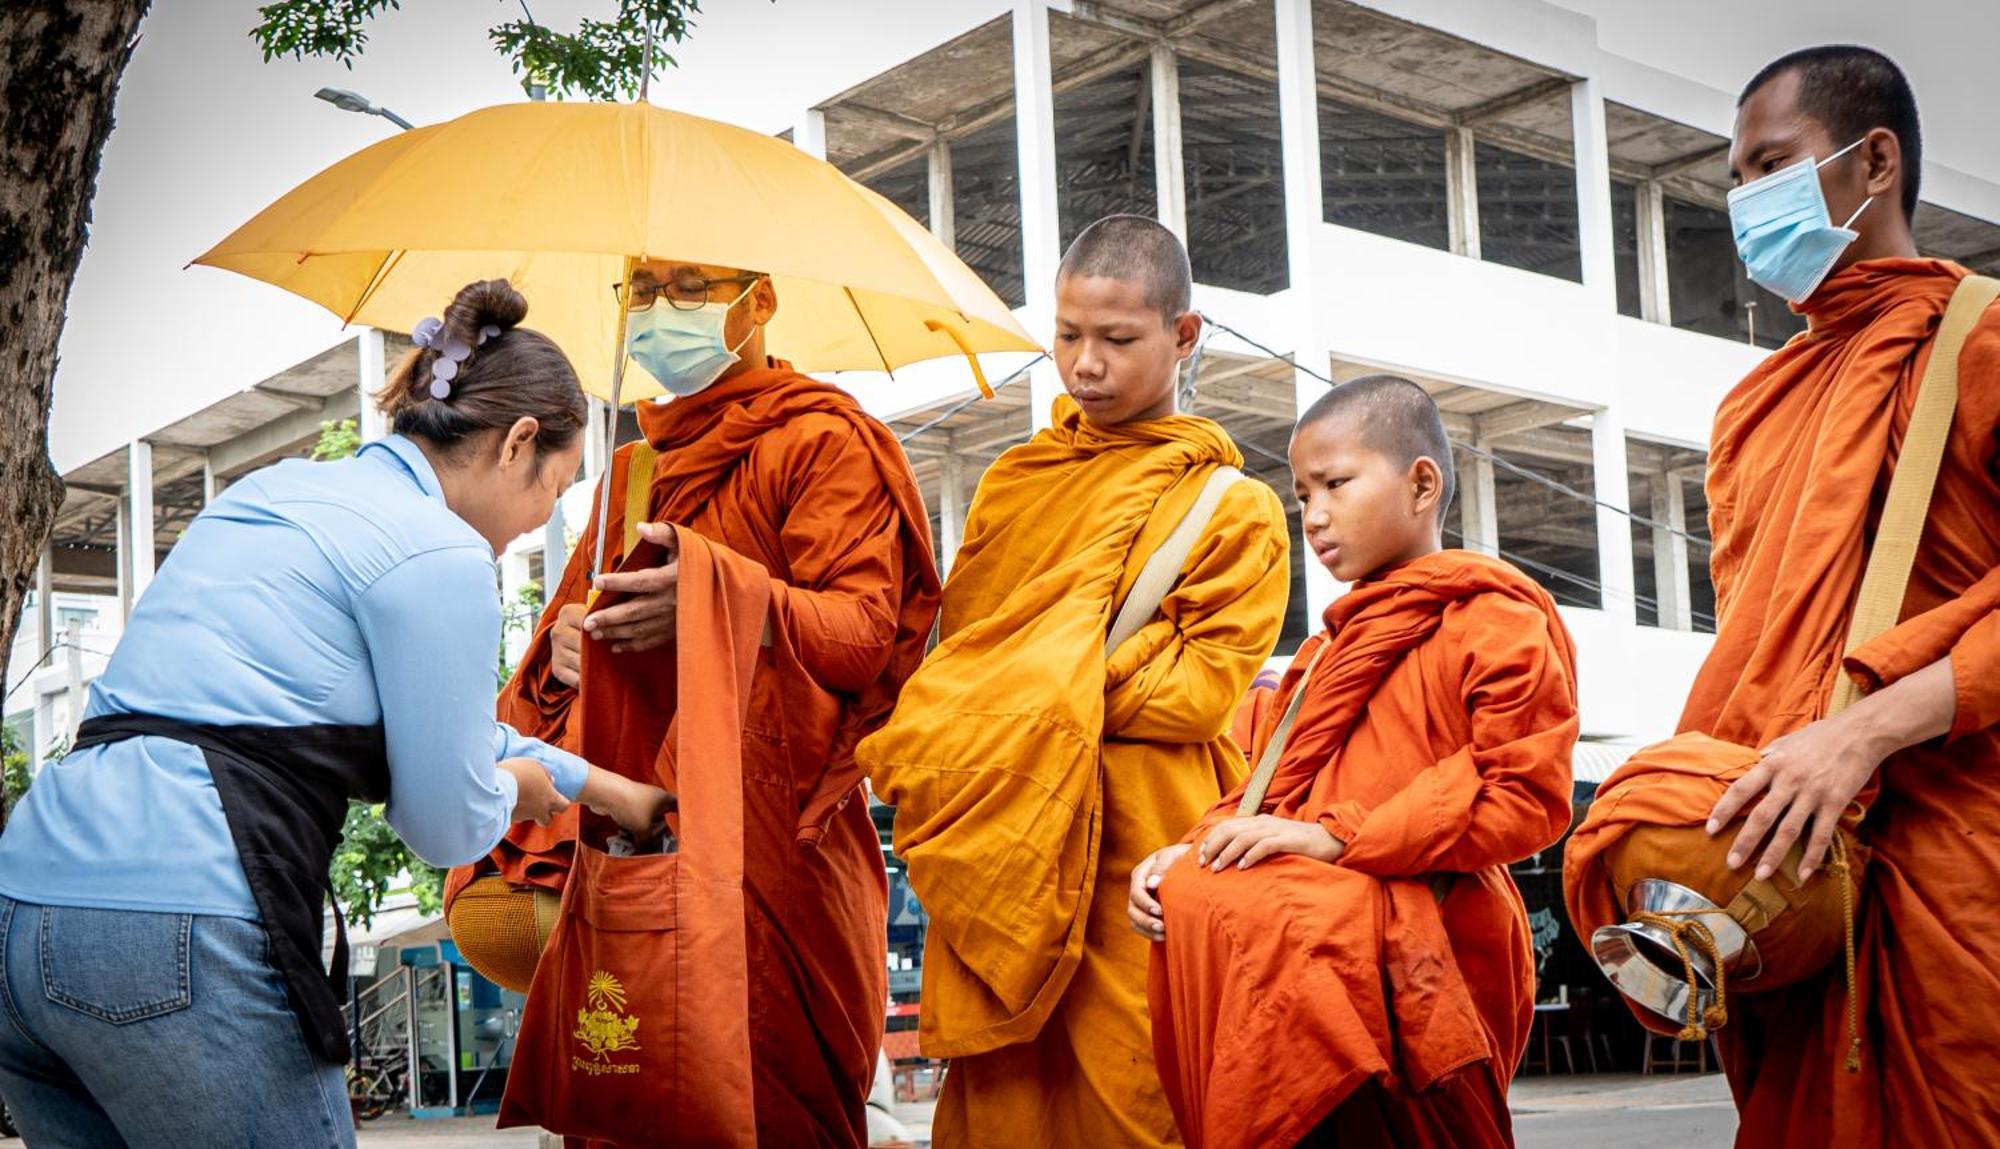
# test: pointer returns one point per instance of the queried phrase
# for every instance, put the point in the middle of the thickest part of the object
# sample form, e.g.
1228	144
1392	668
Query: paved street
1583	1112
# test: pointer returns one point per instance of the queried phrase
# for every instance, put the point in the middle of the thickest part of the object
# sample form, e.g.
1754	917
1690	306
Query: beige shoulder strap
638	492
1267	763
1156	579
1880	602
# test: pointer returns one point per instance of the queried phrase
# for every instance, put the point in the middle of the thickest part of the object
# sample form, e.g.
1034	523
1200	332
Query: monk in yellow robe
1030	772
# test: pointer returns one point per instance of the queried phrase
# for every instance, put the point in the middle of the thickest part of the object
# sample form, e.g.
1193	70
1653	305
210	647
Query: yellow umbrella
558	197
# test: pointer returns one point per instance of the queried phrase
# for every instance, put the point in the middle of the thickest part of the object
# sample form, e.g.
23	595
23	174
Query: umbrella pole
611	439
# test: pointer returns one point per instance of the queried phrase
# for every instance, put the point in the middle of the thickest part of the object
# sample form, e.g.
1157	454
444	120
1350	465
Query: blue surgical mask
684	350
1783	232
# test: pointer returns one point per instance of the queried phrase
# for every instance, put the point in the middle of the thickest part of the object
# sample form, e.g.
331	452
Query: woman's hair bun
498	373
487	303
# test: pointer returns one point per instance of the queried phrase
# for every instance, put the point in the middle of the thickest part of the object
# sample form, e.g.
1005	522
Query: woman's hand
1244	842
639	809
538	800
646	618
1144	905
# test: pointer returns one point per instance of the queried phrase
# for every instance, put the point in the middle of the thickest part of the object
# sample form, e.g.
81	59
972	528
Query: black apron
284	792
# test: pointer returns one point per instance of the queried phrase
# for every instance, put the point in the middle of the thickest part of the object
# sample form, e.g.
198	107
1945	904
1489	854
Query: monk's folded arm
842	539
1975	669
1503	796
1181	677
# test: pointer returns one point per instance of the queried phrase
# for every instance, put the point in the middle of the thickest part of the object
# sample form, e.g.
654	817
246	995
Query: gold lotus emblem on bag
603	1027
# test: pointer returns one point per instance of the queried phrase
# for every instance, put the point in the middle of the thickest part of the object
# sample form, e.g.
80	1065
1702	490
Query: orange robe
790	473
1030	773
1382	1000
1803	451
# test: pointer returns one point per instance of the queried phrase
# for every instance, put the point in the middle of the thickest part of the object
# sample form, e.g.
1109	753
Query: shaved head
1136	250
1393	416
1851	90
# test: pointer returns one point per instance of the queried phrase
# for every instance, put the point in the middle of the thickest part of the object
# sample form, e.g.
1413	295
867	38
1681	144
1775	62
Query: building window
1383	176
1625	247
908	186
1104	151
1706	285
1235	179
986	208
83	618
1527	213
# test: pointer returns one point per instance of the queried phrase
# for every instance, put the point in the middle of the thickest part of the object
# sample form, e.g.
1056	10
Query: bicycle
377	1084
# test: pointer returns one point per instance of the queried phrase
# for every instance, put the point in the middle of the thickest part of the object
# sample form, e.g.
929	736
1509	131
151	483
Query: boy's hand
1245	842
1144	906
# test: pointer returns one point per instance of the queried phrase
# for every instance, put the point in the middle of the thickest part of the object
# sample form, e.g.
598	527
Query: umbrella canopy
557	197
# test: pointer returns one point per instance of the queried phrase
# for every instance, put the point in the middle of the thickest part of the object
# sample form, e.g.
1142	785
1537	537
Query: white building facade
1470	193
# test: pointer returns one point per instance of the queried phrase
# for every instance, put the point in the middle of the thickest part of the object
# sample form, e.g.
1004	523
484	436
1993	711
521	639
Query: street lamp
348	101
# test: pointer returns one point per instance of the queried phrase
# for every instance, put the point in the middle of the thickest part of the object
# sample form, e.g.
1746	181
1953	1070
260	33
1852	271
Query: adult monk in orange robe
1028	771
1351	965
790	473
1802	454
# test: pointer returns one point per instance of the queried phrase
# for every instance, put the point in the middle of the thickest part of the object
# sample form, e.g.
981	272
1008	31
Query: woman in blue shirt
322	632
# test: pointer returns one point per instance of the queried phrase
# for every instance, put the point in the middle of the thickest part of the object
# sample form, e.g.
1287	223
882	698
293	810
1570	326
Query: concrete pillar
1298	127
138	556
943	221
1614	527
951	500
1169	169
1041	221
73	696
596	452
1593	194
555	551
1461	185
371	374
809	134
1655	296
1670	552
208	482
45	602
1478	517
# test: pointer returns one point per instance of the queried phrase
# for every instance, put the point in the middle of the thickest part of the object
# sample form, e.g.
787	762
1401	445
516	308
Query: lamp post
348	101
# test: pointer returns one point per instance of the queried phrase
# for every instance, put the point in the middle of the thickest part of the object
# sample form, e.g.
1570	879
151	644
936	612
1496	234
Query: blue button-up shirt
341	593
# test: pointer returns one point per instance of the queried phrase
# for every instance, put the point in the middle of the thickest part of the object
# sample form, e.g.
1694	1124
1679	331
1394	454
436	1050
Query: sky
207	134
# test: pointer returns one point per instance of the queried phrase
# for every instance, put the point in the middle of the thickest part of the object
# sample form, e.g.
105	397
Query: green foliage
14	766
519	619
301	28
601	60
368	862
337	440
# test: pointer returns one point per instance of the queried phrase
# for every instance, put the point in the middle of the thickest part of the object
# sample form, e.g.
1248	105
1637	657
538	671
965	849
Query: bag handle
1879	605
1163	568
1267	763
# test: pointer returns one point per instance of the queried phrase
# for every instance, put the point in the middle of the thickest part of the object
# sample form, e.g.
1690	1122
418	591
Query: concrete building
1472	193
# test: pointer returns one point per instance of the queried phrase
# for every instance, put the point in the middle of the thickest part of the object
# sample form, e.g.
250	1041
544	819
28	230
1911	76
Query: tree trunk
59	66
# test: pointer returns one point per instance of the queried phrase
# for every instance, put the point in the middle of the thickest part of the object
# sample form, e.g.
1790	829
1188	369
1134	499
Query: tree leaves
301	28
601	60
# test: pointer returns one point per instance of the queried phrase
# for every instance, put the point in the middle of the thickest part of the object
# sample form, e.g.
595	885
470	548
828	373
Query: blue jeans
127	1028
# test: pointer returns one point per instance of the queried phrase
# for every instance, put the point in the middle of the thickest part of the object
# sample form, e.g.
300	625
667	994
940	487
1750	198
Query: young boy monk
1028	770
1347	962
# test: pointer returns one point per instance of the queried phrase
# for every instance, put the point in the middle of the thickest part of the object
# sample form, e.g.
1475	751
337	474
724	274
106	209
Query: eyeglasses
683	293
